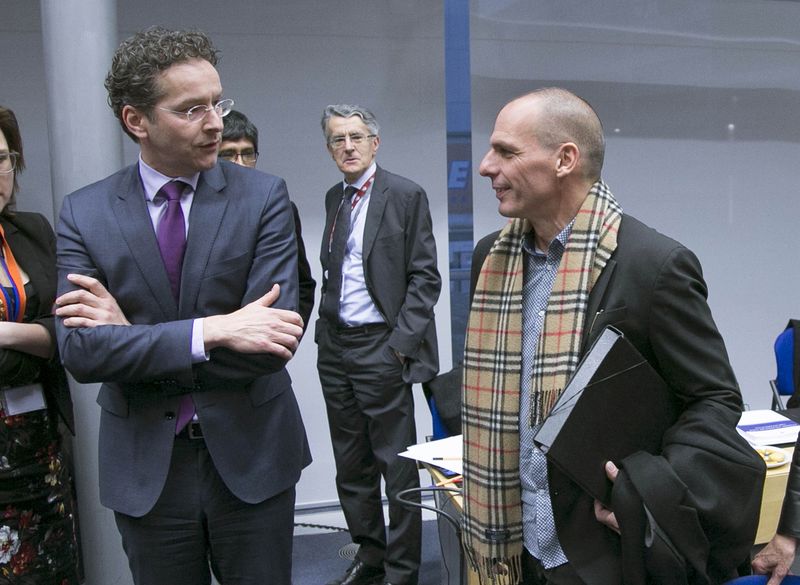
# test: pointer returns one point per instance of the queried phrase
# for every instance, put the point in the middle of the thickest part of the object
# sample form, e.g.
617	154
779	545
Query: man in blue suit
178	284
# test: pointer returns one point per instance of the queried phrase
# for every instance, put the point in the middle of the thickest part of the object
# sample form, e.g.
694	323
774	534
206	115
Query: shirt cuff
199	353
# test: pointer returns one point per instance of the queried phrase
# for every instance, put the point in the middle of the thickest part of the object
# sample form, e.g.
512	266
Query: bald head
561	117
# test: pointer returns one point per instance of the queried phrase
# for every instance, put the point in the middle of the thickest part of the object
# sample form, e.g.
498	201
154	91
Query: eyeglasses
8	162
248	156
197	113
338	142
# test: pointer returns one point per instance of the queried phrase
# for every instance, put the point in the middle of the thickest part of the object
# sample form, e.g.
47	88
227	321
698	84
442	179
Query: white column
79	37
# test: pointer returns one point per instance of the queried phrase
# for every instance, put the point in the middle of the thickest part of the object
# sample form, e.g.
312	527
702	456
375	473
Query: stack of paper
445	453
767	427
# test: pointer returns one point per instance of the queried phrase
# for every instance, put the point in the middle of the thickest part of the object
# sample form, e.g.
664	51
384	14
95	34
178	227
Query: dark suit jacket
240	242
306	282
789	524
399	266
652	289
33	244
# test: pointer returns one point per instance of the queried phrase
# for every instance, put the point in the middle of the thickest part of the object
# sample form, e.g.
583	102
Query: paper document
445	453
767	427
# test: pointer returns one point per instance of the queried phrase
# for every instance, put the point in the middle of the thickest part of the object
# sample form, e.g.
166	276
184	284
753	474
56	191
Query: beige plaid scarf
491	386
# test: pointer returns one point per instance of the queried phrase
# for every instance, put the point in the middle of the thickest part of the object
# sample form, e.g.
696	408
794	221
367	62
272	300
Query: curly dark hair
138	61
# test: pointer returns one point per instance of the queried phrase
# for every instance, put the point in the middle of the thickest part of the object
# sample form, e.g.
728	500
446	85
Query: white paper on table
445	453
767	427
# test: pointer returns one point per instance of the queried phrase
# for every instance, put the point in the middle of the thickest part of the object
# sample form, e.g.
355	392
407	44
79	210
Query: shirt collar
363	178
559	242
152	180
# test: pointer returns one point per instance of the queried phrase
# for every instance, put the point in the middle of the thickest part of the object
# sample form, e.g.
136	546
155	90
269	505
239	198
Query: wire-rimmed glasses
198	112
8	162
357	140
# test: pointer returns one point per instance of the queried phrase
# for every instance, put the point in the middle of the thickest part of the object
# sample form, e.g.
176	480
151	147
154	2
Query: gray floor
321	557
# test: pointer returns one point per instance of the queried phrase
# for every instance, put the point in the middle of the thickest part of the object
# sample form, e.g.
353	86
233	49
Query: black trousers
198	522
371	419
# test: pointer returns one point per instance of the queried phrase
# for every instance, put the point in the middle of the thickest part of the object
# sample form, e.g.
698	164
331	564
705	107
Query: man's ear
135	121
568	158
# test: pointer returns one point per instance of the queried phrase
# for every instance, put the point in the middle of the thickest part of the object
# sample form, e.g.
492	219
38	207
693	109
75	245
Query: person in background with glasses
178	292
38	528
240	145
376	336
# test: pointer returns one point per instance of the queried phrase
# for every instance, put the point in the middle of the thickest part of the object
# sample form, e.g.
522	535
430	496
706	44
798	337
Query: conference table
772	499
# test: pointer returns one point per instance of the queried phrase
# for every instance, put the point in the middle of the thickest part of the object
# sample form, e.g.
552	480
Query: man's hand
604	515
775	558
90	305
256	328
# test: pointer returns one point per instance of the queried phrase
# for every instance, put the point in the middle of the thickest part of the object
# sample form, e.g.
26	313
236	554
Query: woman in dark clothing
38	542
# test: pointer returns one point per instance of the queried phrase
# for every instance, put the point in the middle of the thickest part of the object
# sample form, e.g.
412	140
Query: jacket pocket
269	387
113	400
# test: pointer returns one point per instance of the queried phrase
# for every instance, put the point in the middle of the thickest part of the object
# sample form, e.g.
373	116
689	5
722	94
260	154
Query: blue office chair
787	358
762	580
443	394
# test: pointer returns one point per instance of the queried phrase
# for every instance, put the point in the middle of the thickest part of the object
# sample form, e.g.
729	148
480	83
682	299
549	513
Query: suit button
169	415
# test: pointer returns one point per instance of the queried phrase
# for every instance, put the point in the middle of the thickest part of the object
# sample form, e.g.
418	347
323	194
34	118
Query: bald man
568	264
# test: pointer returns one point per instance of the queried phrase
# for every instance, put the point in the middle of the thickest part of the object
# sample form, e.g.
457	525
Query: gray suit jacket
399	266
240	242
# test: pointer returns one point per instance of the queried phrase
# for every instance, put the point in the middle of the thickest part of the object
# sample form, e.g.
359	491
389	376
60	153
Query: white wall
670	75
667	79
282	62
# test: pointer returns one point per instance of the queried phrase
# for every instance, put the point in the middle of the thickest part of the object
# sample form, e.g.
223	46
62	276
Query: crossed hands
255	328
89	305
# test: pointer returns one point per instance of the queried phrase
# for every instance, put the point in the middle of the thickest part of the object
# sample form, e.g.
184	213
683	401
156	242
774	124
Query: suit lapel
596	300
29	260
205	220
136	228
377	205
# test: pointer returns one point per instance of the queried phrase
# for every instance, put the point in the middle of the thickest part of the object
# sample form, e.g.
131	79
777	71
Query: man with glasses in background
376	336
240	146
178	288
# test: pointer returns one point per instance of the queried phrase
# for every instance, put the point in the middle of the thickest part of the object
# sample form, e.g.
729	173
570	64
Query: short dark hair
138	61
10	129
236	126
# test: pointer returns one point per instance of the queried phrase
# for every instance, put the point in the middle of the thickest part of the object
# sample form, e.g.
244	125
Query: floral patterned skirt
38	526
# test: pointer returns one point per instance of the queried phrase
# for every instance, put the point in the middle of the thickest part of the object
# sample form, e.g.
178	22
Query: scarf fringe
505	571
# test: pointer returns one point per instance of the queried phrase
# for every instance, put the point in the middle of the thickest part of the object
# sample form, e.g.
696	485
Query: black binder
614	405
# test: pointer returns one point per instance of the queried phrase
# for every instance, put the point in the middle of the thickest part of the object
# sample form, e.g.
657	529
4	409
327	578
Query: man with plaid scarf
568	264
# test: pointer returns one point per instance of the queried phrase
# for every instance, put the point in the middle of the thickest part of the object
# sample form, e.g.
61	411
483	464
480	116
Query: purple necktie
171	235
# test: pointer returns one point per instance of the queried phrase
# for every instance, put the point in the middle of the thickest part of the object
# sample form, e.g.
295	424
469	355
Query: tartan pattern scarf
492	531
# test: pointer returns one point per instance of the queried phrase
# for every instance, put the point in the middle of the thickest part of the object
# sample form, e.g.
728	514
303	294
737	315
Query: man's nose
487	165
213	121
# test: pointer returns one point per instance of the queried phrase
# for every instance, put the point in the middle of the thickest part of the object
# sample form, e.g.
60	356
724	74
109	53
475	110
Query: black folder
614	405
